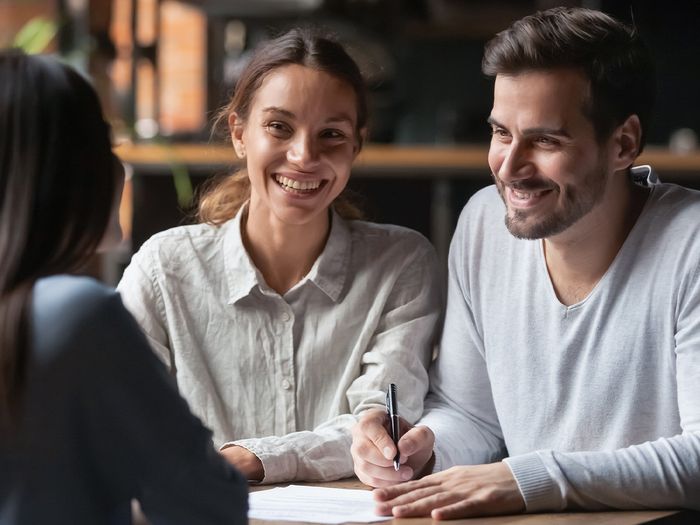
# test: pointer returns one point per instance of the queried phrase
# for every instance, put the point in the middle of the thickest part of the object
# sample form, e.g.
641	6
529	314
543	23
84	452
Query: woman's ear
359	141
236	125
628	141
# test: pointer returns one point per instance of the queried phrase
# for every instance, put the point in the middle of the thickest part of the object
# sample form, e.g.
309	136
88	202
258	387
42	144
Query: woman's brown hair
221	200
57	184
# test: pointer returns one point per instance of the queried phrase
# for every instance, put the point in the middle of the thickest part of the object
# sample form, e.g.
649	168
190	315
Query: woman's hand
245	461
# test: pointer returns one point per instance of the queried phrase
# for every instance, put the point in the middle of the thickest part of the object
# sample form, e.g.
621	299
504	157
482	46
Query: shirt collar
241	274
328	273
330	270
644	175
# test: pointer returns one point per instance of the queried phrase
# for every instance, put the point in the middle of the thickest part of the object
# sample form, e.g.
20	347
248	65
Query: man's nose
516	163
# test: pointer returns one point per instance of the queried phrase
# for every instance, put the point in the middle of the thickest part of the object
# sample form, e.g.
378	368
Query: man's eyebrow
557	132
492	121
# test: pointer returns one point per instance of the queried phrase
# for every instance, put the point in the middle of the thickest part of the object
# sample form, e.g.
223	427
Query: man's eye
547	141
499	132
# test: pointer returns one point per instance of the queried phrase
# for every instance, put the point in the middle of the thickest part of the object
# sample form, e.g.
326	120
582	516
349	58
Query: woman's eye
332	134
277	128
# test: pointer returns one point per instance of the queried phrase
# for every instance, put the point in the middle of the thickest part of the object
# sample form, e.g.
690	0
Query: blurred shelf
383	160
192	155
435	182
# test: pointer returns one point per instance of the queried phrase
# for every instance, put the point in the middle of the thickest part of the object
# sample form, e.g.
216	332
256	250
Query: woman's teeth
297	185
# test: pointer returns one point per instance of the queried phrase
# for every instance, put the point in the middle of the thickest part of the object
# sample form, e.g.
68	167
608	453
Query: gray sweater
102	423
595	405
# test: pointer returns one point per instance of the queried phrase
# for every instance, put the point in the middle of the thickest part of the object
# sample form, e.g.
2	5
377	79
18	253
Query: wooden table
568	518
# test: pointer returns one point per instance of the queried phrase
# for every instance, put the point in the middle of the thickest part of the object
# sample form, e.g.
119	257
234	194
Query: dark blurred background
163	68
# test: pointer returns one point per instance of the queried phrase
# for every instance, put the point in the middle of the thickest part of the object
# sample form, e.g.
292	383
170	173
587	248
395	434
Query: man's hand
459	492
373	450
245	461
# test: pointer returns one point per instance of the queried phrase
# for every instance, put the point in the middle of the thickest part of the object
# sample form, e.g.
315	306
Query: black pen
392	411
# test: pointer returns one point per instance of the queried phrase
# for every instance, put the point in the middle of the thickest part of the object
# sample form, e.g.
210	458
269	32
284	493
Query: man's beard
578	202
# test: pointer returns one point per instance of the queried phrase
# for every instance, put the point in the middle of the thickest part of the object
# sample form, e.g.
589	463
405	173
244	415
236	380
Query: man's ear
627	142
236	125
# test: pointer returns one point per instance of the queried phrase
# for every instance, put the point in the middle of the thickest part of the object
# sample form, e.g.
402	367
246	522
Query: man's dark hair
610	54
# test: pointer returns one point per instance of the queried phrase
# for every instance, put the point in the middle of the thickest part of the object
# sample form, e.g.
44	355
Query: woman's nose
303	151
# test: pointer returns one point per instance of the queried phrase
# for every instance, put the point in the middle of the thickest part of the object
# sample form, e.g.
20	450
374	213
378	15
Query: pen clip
393	413
391	405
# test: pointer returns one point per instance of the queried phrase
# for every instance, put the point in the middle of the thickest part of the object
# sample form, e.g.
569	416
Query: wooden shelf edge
468	158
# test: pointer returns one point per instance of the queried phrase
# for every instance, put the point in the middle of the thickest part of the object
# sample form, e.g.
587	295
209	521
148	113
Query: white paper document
313	504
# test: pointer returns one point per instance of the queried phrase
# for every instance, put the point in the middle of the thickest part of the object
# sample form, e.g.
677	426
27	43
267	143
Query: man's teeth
527	195
297	185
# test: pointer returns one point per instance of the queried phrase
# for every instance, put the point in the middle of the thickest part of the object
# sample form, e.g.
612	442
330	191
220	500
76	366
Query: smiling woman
315	56
300	142
282	316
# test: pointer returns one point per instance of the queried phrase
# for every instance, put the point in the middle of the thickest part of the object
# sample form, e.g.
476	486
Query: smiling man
568	369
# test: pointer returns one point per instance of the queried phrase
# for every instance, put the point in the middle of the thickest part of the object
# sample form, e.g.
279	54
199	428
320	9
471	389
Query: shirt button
286	385
286	317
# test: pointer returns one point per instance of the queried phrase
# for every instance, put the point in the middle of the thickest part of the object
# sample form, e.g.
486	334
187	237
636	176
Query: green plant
35	35
182	181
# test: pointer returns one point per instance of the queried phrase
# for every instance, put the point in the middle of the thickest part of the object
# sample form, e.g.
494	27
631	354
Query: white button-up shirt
286	376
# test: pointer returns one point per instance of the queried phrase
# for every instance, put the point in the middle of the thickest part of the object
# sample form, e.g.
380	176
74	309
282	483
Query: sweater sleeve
398	352
664	473
459	407
142	432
